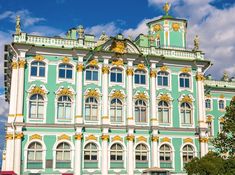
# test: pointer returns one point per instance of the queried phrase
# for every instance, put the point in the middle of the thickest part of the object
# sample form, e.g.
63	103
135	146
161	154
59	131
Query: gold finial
18	30
166	8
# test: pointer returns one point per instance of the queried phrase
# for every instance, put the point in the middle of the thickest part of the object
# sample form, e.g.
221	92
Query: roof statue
166	8
18	30
80	31
225	77
196	43
102	39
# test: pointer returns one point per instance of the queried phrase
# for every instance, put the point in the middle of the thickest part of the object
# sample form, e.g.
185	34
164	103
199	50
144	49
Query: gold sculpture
118	47
92	93
18	30
166	8
37	90
175	26
117	62
117	94
65	91
64	137
39	58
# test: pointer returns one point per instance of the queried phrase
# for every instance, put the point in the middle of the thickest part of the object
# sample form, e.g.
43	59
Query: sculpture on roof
18	30
80	31
196	43
225	77
102	39
166	8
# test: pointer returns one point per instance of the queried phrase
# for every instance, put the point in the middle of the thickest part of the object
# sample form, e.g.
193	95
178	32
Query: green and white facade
109	106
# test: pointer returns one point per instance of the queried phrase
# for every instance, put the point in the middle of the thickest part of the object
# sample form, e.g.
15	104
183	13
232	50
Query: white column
78	115
104	163
17	157
9	151
153	95
155	151
4	161
130	152
78	153
105	74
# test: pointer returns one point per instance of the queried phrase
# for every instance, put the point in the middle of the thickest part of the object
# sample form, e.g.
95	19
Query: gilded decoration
130	71
166	139
141	66
118	47
157	27
185	70
93	62
204	140
221	96
141	96
14	65
164	68
39	58
65	91
117	94
78	136
142	139
155	138
64	137
166	7
105	117
175	26
165	97
116	138
208	95
35	137
19	135
92	93
37	90
209	119
117	62
200	77
153	73
22	63
221	120
105	137
188	140
9	136
78	116
105	69
91	137
66	60
130	137
80	67
186	99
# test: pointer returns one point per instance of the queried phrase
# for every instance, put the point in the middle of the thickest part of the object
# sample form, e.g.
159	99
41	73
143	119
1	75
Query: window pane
59	155
41	71
61	73
67	111
165	81
159	80
95	75
113	77
119	77
88	75
33	71
60	110
30	155
181	82
136	79
69	74
142	79
187	83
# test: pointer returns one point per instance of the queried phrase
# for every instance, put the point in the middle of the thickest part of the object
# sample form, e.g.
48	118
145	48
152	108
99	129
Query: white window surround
209	109
170	105
169	87
148	152
124	153
221	99
60	80
172	153
190	82
147	113
98	82
181	153
35	78
99	111
123	122
147	79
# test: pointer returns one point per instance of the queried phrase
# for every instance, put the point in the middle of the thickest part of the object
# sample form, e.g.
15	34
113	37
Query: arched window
184	80
162	78
116	152
186	113
38	69
158	42
140	77
163	112
90	152
165	156
36	106
63	155
141	153
91	109
65	71
210	128
221	104
208	104
140	111
64	106
35	152
92	73
116	75
116	110
188	153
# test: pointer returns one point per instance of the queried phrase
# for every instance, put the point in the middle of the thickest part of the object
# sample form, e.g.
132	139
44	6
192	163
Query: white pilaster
105	74
17	156
78	152
104	163
153	95
130	152
154	152
9	151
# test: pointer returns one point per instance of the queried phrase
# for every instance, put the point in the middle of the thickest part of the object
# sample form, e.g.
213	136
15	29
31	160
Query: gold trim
129	71
165	97
204	140
118	94
105	69
130	137
117	62
200	77
130	118
188	140
105	117
141	139
93	62
118	47
105	137
66	60
35	137
65	91
141	96
80	67
187	99
92	93
209	119
116	138
91	137
15	115
141	66
78	116
9	136
175	26
185	70
155	138
153	74
63	137
14	65
163	68
166	139
37	90
22	63
221	120
39	58
78	136
153	119
208	95
221	96
157	27
19	136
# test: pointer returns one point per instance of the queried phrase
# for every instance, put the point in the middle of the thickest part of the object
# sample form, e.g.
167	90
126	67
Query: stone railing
216	83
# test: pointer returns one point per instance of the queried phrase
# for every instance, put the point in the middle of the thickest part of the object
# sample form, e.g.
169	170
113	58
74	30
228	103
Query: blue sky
212	20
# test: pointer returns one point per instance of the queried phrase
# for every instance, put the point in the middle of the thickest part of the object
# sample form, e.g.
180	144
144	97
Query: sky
212	20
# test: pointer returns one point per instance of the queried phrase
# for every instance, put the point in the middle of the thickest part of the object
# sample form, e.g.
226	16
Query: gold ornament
64	137
166	7
105	137
80	67
141	66
208	95
157	27
22	63
141	138
91	137
78	136
165	97
221	96
204	140
166	139
65	91
200	77
35	137
185	70
92	93
118	47
186	99
141	96
117	94
9	136
129	71
116	138
37	90
221	120
188	140
153	73
209	119
155	138
105	69
93	62
19	135
175	26
14	65
164	68
78	116
130	137
66	60
117	62
39	58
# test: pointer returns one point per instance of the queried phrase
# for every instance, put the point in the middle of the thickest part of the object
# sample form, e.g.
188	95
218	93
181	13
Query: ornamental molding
80	67
163	68
38	90
164	97
39	58
156	28
141	96
141	139
78	136
129	71
209	118
19	135
105	69
118	46
63	137
117	94
65	60
65	91
185	70
116	138
188	140
153	73
9	136
14	65
221	96
130	137
105	137
175	26
221	120
200	77
204	140
91	137
208	95
155	138
186	98
35	137
166	139
21	63
141	66
118	62
92	93
93	62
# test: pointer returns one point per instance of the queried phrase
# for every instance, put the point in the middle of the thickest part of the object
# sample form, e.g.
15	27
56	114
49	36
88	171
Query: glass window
92	73
64	106
221	126
116	110
158	42
90	152
116	152
35	152
165	153
141	153
163	112
36	106
38	69
140	111
63	152
184	80
140	77
116	75
162	78
210	131
91	109
221	104
65	71
188	153
186	113
208	104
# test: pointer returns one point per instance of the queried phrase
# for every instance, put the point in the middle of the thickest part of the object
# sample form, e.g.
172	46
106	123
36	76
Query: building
112	106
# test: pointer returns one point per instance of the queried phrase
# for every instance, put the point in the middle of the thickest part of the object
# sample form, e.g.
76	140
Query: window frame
34	150
91	109
91	151
162	112
141	152
210	103
95	69
115	71
140	107
187	76
64	103
37	102
114	107
219	104
63	151
140	73
166	75
187	153
38	66
170	152
115	152
185	113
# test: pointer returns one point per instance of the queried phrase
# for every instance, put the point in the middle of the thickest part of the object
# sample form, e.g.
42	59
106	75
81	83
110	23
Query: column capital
130	137
105	69
105	137
153	74
14	65
80	67
200	77
155	138
129	72
19	135
78	136
21	63
204	139
9	136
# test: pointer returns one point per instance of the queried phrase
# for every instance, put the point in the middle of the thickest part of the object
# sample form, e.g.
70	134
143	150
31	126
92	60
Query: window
90	152
188	153
116	75
140	77
140	111
221	126
92	73
221	104
116	110
163	112
186	113
35	152
36	106
158	42
64	108
208	104
184	80
162	78
65	71
116	152
91	109
141	153
38	69
210	129
165	153
63	152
